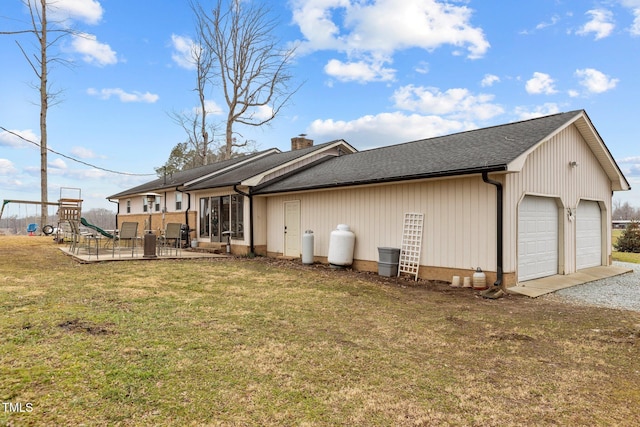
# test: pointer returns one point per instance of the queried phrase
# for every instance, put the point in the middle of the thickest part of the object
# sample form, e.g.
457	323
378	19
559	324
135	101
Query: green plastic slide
95	227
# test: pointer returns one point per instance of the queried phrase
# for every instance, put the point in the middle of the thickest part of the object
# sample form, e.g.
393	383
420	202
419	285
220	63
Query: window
237	216
145	207
220	214
128	206
178	201
205	217
157	204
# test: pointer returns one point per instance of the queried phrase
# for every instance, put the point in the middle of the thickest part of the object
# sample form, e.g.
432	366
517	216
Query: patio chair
80	238
172	238
74	244
128	231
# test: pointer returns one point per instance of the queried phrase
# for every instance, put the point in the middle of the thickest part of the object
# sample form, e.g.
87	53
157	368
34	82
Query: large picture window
220	214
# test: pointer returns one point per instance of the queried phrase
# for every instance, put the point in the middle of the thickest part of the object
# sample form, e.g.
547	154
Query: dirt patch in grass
77	325
271	342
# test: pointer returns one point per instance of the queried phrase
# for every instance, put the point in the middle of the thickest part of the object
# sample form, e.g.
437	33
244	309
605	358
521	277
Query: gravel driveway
622	292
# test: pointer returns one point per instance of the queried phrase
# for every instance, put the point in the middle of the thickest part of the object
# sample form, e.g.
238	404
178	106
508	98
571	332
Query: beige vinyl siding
259	221
547	172
459	219
299	164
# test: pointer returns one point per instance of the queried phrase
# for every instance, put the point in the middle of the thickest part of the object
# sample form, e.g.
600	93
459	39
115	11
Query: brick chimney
299	142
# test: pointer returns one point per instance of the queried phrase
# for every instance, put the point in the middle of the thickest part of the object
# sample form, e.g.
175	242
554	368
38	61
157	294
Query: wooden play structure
69	214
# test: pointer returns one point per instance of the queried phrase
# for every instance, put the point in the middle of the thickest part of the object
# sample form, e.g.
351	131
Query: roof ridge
572	112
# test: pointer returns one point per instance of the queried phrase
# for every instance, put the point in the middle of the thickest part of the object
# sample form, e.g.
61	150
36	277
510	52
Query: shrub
629	240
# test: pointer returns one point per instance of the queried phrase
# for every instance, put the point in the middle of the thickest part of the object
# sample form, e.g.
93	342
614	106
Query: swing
32	227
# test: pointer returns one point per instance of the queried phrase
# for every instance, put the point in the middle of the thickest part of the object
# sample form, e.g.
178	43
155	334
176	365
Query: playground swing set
69	216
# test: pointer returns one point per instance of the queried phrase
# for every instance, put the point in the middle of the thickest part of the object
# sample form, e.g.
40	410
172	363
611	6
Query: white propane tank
341	244
479	280
307	247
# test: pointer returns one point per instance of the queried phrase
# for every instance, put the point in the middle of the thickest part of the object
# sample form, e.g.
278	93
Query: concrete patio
545	285
105	253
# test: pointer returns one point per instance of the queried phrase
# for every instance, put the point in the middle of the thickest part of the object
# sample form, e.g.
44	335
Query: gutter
341	184
499	230
250	197
117	210
186	212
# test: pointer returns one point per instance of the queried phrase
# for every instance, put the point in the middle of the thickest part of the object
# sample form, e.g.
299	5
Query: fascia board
257	179
231	167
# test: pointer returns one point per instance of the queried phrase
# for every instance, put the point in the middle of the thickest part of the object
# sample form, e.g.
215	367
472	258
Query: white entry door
588	235
292	228
537	238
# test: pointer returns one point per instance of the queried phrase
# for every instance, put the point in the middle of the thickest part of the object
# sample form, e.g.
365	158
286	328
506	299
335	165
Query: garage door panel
537	238
588	235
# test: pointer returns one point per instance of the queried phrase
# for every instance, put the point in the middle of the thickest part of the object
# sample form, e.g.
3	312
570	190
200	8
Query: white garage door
537	238
588	235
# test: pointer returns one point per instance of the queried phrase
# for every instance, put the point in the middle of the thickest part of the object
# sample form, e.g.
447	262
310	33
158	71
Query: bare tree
200	133
249	65
41	29
624	211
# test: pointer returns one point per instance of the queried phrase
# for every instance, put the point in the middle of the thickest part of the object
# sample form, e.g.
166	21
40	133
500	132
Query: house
217	199
521	200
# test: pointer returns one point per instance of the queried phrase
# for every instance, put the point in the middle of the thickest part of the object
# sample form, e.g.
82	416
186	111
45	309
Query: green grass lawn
264	342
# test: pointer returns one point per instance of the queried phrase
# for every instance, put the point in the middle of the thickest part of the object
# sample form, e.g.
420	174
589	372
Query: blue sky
375	72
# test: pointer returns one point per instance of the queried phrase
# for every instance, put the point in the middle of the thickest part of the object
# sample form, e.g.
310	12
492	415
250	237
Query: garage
537	238
588	235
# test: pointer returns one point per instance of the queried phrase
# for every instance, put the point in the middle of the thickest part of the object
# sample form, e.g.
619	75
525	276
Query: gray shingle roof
491	148
254	164
180	178
256	167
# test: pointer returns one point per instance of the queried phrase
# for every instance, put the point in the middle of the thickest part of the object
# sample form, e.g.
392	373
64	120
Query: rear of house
557	179
521	201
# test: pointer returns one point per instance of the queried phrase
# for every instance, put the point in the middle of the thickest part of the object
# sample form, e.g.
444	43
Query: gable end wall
547	172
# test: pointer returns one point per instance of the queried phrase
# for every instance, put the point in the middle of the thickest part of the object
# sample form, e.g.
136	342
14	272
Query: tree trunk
229	138
44	105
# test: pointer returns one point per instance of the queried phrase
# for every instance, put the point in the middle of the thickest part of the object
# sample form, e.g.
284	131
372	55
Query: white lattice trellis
411	244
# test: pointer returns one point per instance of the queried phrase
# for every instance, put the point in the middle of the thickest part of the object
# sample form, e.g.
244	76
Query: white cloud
540	83
634	6
83	153
422	67
553	21
8	139
595	81
635	27
489	80
456	102
210	106
183	51
360	71
84	174
386	128
370	32
92	50
263	112
58	164
87	11
7	167
524	113
601	24
124	96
